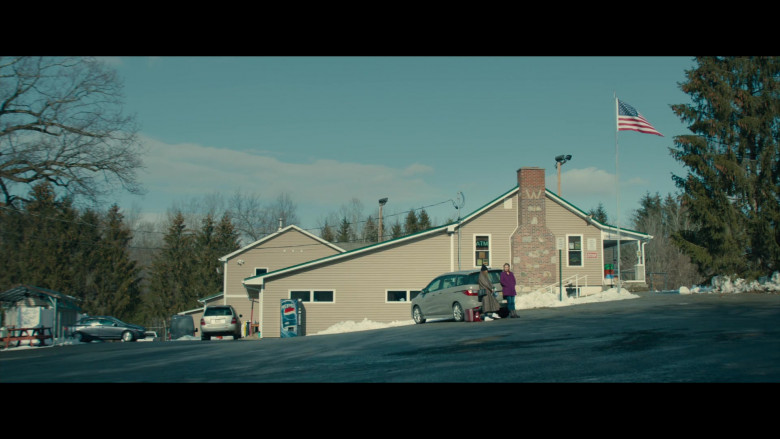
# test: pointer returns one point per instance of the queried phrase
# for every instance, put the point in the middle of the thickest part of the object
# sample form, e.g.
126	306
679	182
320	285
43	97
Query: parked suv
220	320
448	295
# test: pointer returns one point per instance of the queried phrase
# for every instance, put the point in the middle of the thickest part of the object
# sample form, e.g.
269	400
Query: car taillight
233	322
469	292
202	322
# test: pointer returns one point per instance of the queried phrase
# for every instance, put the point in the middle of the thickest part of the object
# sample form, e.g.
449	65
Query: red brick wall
534	257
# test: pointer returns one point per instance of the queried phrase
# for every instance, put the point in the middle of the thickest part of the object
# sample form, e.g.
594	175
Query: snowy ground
720	285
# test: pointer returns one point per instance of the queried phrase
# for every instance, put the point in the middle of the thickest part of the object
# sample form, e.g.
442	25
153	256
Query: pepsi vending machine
291	318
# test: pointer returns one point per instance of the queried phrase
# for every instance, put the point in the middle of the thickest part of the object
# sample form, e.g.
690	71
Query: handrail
576	277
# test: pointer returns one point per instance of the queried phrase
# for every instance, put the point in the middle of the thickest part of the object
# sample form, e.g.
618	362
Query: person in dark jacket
508	285
490	304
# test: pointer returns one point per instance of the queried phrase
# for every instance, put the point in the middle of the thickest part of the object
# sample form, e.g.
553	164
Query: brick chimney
534	254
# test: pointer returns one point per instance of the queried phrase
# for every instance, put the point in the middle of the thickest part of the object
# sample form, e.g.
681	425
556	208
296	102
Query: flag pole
617	188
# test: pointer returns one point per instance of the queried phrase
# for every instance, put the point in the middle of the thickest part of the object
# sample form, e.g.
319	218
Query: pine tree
599	214
396	231
171	281
412	224
327	233
115	279
344	233
423	221
50	239
732	188
370	230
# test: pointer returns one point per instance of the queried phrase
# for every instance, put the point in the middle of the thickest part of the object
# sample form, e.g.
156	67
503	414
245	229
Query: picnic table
15	336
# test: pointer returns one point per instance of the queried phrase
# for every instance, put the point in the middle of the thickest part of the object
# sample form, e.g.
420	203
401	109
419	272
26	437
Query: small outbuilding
27	306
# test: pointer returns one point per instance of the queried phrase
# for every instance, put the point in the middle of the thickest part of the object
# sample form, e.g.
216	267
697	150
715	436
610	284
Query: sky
417	130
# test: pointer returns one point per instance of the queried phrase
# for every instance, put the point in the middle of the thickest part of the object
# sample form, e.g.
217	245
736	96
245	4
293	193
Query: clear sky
416	130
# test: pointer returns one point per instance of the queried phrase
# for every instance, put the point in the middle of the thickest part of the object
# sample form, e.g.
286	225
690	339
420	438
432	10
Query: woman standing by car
508	285
489	302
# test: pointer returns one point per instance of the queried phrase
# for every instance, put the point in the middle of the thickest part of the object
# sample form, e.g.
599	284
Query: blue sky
416	130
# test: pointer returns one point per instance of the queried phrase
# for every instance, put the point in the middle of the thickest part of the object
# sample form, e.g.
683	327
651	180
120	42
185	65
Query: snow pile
540	299
724	284
365	325
536	299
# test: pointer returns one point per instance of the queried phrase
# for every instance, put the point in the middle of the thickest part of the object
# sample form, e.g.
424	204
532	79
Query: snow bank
725	284
537	299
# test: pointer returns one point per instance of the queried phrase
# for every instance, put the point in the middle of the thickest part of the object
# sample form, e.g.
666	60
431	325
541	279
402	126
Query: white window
482	250
574	250
313	295
400	295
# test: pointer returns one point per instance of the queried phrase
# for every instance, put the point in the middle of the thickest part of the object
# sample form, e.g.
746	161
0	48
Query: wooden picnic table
17	335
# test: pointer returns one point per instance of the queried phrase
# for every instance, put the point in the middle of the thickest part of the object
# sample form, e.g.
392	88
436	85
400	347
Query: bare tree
254	218
61	121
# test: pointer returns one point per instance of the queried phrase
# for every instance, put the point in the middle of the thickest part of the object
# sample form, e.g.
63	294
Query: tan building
526	227
287	247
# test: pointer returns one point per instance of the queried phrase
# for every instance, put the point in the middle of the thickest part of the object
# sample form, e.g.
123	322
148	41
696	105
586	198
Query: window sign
482	250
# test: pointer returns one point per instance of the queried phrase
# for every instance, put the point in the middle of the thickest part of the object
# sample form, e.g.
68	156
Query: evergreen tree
599	214
412	225
732	188
327	233
49	242
227	238
171	288
114	280
370	230
206	281
344	233
423	221
396	231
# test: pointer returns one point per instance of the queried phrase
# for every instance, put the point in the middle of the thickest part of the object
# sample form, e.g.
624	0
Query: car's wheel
417	315
457	312
127	336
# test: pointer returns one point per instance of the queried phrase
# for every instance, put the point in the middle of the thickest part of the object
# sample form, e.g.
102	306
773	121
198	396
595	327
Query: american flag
630	119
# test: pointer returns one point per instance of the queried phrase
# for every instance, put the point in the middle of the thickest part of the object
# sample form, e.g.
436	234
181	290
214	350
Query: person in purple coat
508	283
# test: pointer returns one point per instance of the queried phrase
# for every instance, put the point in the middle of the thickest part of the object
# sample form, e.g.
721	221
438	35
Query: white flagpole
617	190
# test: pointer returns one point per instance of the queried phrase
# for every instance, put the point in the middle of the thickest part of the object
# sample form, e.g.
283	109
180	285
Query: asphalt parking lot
653	338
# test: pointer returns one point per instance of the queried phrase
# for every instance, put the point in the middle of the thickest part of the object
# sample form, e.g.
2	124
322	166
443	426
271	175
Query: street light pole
559	161
382	202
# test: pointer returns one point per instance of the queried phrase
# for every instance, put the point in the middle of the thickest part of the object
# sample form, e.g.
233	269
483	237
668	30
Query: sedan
106	328
450	294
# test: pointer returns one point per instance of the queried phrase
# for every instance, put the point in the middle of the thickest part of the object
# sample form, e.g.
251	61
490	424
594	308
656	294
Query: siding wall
561	223
360	283
500	221
287	249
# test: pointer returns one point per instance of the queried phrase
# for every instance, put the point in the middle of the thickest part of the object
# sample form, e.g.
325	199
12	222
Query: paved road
655	338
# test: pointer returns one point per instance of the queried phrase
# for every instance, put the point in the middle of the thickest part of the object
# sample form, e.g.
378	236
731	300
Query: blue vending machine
291	318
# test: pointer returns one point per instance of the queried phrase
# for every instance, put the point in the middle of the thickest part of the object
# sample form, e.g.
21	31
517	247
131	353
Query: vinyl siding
289	248
359	283
498	222
563	222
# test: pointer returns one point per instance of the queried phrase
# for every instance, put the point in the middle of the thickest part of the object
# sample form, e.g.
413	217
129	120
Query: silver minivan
450	294
220	320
